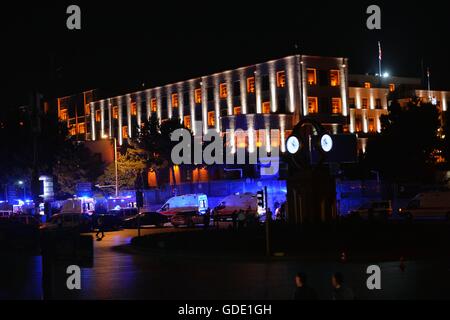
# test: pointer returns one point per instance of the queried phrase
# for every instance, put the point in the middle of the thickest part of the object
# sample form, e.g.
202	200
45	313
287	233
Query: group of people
339	289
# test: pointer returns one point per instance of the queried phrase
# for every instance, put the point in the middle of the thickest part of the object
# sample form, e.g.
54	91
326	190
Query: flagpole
429	84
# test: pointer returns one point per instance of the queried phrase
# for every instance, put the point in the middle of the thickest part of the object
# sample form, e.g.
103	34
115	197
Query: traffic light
139	199
260	197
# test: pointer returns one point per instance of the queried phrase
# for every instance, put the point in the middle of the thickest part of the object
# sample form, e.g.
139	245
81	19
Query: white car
428	204
185	203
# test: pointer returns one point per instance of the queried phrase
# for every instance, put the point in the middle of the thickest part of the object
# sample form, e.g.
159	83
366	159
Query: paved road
120	275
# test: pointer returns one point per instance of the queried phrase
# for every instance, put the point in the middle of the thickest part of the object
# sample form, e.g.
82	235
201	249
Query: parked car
188	218
145	219
428	204
26	220
185	203
373	210
68	221
124	213
106	221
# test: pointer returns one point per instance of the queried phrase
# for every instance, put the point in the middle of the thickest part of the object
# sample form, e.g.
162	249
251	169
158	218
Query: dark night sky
129	42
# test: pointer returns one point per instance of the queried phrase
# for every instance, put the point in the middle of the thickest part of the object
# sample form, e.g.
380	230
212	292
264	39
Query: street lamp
22	184
116	166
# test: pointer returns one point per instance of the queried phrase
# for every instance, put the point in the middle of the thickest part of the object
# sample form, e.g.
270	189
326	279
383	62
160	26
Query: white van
246	202
188	202
79	205
428	204
68	221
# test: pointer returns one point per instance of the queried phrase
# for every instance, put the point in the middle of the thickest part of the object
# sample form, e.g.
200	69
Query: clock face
292	145
326	142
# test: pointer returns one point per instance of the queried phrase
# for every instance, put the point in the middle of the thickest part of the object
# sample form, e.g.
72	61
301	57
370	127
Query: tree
155	139
131	165
403	150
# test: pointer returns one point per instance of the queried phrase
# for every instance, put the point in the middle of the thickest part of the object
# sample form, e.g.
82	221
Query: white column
102	119
129	123
205	104
192	105
229	82
290	81
273	87
169	101
217	101
180	101
119	120
148	102
138	108
352	120
243	85
158	104
93	135
282	133
343	79
110	122
304	87
258	89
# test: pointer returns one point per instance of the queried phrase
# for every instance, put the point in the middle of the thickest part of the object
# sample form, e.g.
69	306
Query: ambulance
185	203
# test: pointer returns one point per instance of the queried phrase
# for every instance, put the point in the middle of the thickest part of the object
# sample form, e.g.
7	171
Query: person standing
302	290
340	290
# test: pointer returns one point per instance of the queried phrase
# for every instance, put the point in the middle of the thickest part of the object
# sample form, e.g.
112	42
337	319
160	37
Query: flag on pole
379	51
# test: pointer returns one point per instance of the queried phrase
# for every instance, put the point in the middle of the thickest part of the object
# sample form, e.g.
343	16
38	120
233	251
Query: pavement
124	274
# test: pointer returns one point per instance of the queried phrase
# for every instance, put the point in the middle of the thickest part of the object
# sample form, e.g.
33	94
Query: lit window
351	102
266	107
312	77
125	132
187	122
72	131
336	106
237	110
392	87
198	95
87	109
63	114
175	100
378	103
251	85
313	106
211	119
97	116
358	124
281	79
223	91
334	78
81	128
115	112
367	85
364	103
133	109
153	105
371	125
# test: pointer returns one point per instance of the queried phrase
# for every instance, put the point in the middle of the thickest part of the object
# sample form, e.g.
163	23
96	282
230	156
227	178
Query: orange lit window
334	78
97	115
115	112
371	125
266	107
87	109
125	132
367	85
153	105
133	109
358	124
311	76
187	121
72	131
223	90
364	103
237	110
251	85
392	87
281	79
336	106
198	95
211	119
313	105
81	128
175	100
63	115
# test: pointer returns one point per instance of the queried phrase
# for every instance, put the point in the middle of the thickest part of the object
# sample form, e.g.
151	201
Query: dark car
145	219
188	218
124	213
25	219
106	221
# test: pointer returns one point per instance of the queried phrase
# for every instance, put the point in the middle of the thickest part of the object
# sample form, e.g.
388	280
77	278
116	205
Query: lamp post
22	184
